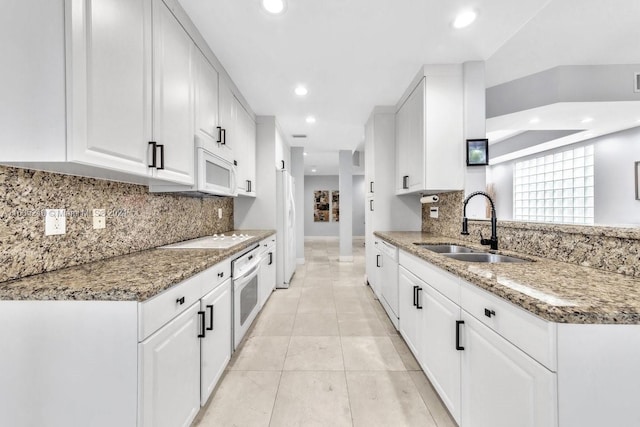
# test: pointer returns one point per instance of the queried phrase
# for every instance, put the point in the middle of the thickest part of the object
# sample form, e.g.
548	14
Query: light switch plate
99	219
55	222
219	213
433	212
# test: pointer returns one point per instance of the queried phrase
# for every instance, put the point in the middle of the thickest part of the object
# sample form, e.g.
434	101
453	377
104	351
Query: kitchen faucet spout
493	241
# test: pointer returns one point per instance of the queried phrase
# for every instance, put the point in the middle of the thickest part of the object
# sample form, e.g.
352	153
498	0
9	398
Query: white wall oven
246	293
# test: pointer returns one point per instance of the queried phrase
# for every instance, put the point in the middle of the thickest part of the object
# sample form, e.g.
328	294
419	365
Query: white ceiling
353	55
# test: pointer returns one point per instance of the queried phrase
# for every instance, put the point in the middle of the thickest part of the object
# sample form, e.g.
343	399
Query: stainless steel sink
446	249
483	257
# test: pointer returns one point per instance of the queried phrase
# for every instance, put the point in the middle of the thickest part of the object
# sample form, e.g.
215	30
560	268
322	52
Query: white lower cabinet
440	358
388	277
481	376
116	363
215	346
267	282
170	372
427	323
502	386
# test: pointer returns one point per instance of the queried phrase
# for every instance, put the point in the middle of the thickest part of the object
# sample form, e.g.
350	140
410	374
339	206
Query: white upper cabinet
173	52
245	151
120	92
109	83
429	132
207	104
228	110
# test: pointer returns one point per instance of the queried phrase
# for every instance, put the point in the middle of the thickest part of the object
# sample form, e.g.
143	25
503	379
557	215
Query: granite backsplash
136	220
611	249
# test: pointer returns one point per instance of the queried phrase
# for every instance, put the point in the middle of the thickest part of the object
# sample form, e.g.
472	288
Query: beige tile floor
324	353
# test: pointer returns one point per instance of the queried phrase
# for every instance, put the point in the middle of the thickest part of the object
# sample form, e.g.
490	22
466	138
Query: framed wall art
477	152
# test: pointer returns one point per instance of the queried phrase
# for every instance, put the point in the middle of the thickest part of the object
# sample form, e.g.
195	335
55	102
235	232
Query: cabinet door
374	267
207	103
502	386
246	151
228	117
369	157
216	345
170	372
402	147
439	357
173	96
370	246
389	283
415	138
109	88
410	314
269	282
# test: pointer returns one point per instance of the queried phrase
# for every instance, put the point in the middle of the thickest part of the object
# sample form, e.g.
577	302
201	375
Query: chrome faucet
493	241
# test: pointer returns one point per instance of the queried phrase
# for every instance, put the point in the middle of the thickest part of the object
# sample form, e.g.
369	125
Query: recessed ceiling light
464	19
534	120
304	153
274	7
314	170
310	119
301	91
586	120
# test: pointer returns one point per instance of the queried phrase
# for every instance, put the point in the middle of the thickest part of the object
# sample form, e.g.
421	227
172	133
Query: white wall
297	170
614	158
330	182
358	205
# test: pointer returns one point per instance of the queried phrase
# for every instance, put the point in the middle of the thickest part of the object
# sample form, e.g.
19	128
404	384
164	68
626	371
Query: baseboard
345	258
300	261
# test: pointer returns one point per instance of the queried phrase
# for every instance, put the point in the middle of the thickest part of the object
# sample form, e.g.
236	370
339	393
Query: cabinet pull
458	346
161	147
202	331
270	258
154	160
378	261
489	313
371	205
180	301
224	137
418	306
219	134
415	289
248	186
221	274
235	163
282	164
371	187
210	327
405	182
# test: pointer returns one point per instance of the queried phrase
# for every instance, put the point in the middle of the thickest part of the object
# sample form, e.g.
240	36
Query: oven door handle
249	272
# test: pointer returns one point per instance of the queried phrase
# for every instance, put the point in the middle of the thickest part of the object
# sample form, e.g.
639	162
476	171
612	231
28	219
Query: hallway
323	353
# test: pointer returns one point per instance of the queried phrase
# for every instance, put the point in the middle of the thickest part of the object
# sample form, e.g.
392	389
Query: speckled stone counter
555	291
135	277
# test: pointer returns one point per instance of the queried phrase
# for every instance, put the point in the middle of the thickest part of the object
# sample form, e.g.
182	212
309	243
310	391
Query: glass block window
555	187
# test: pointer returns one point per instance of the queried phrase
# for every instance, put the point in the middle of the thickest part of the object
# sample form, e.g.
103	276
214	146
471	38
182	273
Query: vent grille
299	135
637	82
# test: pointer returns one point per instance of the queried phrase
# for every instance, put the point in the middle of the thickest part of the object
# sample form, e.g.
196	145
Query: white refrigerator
286	231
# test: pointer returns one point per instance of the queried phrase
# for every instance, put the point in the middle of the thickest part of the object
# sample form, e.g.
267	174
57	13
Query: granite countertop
134	277
555	291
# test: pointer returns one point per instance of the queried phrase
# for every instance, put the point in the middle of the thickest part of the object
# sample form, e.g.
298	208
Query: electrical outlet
433	212
55	222
99	219
219	213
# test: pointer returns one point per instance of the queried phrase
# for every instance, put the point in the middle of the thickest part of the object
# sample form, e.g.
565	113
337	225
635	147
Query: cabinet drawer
444	282
215	276
533	335
159	310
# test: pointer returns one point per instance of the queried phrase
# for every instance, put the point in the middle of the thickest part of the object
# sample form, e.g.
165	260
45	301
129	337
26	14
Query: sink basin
446	249
483	257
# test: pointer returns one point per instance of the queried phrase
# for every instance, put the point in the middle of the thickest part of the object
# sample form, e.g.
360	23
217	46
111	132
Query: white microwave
214	175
